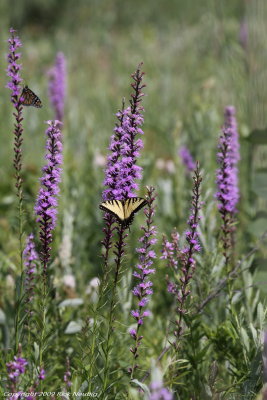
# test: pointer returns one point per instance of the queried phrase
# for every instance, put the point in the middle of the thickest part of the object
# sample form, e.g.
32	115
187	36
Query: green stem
119	245
20	283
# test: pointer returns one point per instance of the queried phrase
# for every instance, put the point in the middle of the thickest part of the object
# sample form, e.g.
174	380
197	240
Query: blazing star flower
173	254
187	159
13	69
13	73
46	204
122	172
30	256
228	157
158	392
143	288
15	369
57	86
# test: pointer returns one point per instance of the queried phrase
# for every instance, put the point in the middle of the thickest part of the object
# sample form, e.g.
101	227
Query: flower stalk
46	204
13	73
185	257
143	288
122	172
227	182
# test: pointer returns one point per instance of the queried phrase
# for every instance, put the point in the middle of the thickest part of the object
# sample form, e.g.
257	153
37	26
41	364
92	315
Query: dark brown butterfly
28	98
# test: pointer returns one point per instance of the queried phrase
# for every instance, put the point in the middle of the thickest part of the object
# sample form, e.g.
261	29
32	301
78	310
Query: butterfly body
29	98
124	210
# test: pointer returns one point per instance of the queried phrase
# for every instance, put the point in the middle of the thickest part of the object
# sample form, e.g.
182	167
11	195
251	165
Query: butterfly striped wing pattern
124	210
29	98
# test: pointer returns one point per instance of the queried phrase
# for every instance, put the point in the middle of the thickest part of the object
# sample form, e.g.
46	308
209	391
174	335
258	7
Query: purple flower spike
13	69
187	159
15	369
228	157
30	256
13	73
46	204
57	86
227	177
122	172
143	288
185	257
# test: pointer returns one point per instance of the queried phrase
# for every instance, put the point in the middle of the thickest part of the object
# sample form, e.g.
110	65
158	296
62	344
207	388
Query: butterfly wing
131	206
124	210
29	98
115	207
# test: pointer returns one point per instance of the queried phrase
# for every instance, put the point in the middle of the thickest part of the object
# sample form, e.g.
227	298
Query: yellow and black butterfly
124	210
28	98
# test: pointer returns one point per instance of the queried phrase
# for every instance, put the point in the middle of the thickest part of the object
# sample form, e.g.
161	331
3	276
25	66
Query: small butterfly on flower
29	98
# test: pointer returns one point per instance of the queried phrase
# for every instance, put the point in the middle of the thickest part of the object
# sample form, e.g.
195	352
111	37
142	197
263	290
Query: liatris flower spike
187	159
143	288
227	177
185	257
46	204
13	69
13	72
122	172
57	86
30	257
14	370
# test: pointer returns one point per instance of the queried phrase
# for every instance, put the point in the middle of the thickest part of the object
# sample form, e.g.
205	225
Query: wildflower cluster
173	254
57	86
13	72
46	205
143	289
122	171
227	176
15	369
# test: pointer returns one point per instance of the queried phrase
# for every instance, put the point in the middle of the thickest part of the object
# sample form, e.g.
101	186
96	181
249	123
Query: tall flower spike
57	86
13	72
187	159
187	254
227	177
120	182
46	204
185	257
143	288
122	172
30	257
